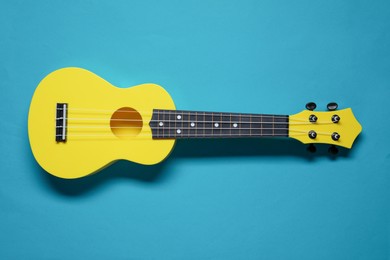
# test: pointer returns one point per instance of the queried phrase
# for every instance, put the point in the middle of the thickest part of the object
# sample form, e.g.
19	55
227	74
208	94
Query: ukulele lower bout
79	123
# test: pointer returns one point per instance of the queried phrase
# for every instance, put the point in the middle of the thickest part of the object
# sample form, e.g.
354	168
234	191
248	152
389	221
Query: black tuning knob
333	150
335	119
313	118
311	148
332	106
335	136
311	106
312	134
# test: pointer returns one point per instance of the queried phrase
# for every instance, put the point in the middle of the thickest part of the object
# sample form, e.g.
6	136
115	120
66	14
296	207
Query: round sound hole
126	123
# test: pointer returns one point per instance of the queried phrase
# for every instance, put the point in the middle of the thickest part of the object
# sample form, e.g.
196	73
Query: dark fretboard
192	124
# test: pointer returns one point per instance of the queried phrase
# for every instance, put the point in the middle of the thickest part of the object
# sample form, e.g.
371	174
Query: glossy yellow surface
93	139
348	128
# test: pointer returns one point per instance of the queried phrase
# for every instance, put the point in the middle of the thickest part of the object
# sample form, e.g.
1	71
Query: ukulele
78	123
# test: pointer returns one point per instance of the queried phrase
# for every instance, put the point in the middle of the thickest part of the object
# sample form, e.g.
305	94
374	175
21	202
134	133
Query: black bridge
61	121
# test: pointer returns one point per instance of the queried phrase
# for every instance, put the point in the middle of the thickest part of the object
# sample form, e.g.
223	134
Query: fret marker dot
235	125
161	124
192	124
216	124
178	131
178	116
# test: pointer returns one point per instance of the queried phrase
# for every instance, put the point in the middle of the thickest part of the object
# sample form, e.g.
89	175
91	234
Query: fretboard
174	124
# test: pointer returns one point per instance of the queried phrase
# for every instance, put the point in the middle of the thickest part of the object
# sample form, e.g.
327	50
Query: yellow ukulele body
119	119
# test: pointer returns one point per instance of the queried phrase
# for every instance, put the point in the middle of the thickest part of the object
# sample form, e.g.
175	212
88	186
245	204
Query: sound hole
126	122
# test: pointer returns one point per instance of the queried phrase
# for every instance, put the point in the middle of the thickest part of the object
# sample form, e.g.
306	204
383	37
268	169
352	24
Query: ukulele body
115	126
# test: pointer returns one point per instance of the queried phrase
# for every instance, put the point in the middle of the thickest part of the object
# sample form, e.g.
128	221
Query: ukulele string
185	128
202	135
150	137
213	133
126	119
174	112
75	120
150	112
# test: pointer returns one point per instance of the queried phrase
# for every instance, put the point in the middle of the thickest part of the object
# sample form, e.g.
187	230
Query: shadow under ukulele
191	148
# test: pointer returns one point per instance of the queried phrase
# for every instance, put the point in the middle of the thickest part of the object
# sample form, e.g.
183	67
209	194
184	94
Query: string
175	112
109	118
193	128
167	111
189	121
290	130
174	135
181	136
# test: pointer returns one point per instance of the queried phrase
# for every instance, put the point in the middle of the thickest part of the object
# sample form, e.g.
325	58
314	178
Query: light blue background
240	199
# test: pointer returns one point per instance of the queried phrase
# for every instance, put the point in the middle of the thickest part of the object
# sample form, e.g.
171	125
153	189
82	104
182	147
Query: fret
180	130
261	126
196	124
245	125
208	125
212	124
256	127
171	124
217	124
273	125
156	123
250	122
200	124
165	126
239	125
267	126
225	124
230	125
186	124
203	124
235	126
177	130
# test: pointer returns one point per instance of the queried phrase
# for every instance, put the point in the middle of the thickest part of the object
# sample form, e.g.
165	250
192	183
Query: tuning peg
332	106
335	119
333	150
335	136
313	118
312	134
311	106
311	148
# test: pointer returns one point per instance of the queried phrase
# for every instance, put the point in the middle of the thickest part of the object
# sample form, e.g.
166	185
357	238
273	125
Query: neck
174	124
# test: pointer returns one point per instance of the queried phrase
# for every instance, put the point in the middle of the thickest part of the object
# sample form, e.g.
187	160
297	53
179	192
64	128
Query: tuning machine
311	106
332	106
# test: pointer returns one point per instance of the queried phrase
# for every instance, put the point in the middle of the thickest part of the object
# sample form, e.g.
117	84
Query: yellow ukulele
79	123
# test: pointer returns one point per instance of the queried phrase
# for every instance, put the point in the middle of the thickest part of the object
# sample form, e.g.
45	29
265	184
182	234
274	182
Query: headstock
333	127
